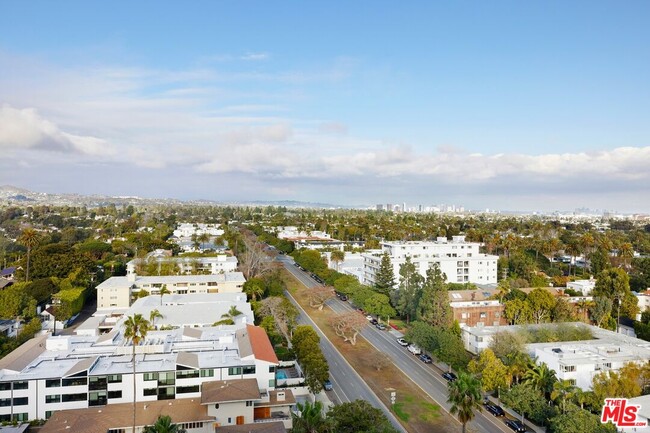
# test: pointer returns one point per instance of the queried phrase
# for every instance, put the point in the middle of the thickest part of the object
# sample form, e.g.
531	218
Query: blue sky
510	105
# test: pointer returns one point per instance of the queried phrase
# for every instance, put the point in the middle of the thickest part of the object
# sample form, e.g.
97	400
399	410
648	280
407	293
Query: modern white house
49	374
219	264
118	292
583	286
458	259
186	230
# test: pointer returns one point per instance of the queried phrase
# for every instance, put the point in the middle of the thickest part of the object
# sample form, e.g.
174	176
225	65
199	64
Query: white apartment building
49	374
351	265
458	259
575	361
219	264
118	292
178	311
186	230
583	286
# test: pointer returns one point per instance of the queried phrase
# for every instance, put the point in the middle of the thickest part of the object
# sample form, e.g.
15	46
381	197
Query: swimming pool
280	374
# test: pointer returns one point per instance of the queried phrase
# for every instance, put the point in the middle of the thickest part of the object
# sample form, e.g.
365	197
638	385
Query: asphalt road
427	376
346	383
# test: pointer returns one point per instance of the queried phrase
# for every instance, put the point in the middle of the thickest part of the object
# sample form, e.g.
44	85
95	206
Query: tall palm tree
229	317
337	257
29	238
464	396
163	425
153	315
136	328
164	291
563	390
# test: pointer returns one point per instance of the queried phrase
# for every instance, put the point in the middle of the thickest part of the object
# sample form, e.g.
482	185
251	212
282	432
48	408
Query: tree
579	421
541	304
136	328
163	425
153	315
379	304
309	418
518	312
523	398
505	343
434	306
465	397
306	346
254	261
623	383
29	238
562	391
410	289
164	291
284	314
229	317
254	288
337	257
562	311
492	372
348	325
541	377
319	295
359	416
614	284
385	277
600	310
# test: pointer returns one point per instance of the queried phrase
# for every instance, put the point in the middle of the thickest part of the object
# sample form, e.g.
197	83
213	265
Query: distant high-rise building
403	207
389	207
380	207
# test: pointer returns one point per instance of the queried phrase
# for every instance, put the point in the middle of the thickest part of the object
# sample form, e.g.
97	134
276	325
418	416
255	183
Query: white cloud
255	56
25	129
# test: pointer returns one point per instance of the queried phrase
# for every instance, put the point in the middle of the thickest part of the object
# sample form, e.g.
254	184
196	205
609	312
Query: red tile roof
261	344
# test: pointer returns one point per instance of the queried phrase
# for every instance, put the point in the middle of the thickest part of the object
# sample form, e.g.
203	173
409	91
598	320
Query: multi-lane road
349	386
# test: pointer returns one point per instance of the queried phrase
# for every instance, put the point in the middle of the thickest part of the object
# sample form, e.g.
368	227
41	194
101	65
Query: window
74	397
187	374
97	398
207	372
53	398
96	383
5	386
249	403
233	371
52	383
114	378
187	389
166	378
166	393
608	365
116	430
150	391
191	425
114	394
20	401
4	402
463	315
75	381
21	385
271	368
572	382
272	383
150	376
249	369
568	368
20	417
48	414
483	315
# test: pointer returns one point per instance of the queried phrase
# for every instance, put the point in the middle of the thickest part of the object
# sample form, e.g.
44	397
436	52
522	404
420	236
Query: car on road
370	318
516	425
296	264
414	349
327	385
449	376
380	326
426	358
494	409
402	342
343	298
374	322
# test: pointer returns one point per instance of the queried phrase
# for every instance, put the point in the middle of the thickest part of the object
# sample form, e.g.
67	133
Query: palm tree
29	238
542	378
164	291
136	328
464	396
337	257
203	238
311	419
163	425
229	317
562	390
153	315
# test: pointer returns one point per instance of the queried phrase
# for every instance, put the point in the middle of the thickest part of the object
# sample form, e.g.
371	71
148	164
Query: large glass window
4	402
52	383
209	372
166	378
150	391
97	398
74	397
5	386
74	381
249	369
114	378
166	393
234	371
150	376
96	383
114	394
53	398
187	374
21	401
21	385
187	389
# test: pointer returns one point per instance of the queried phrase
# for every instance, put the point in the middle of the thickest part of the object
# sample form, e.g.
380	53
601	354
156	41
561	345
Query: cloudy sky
508	105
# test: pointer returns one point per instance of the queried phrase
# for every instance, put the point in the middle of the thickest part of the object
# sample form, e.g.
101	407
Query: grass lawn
416	410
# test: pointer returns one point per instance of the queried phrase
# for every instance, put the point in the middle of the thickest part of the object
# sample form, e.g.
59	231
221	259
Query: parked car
402	342
327	385
425	358
370	318
516	425
494	409
414	349
344	298
449	376
380	326
374	322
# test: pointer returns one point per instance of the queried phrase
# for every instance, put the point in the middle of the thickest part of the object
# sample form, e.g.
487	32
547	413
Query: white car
414	349
369	317
402	342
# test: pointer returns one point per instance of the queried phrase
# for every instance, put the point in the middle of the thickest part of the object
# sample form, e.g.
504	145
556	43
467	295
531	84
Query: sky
504	105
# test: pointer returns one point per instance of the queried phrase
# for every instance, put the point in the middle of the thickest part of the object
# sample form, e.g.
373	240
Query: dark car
343	298
425	358
516	425
449	376
374	321
494	409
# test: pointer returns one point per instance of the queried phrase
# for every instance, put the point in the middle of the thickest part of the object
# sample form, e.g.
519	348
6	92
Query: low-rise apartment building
119	292
219	264
459	260
49	374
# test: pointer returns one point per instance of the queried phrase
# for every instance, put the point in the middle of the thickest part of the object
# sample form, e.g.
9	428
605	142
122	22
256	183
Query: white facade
117	292
48	374
186	230
351	265
220	264
459	260
583	286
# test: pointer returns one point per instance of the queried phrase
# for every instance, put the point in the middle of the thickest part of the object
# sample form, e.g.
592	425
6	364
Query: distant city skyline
509	105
